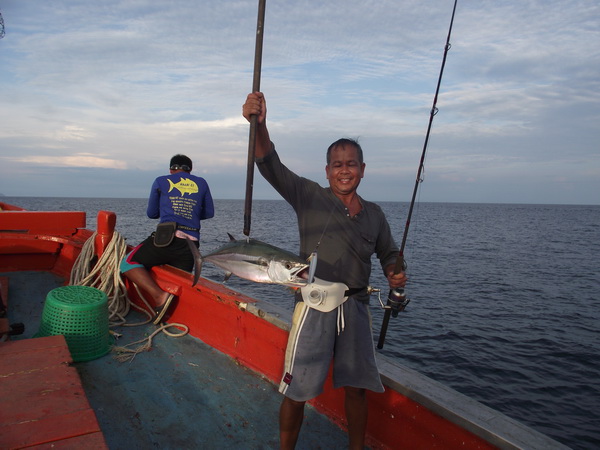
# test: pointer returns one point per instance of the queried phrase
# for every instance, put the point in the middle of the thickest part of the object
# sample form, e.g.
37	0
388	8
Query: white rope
124	354
105	275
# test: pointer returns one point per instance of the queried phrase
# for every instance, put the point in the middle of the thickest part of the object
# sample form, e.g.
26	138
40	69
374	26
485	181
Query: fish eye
288	266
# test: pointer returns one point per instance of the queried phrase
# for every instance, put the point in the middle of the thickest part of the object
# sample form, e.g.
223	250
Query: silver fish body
254	260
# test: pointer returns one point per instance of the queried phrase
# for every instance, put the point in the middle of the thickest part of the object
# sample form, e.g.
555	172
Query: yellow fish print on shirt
185	186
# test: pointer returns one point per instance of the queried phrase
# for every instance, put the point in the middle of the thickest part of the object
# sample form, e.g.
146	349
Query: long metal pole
397	300
253	119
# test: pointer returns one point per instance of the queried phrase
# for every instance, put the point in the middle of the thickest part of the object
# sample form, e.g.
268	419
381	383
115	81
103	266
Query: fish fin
197	260
231	238
227	276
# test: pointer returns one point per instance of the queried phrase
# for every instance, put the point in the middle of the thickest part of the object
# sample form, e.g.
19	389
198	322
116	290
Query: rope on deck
104	274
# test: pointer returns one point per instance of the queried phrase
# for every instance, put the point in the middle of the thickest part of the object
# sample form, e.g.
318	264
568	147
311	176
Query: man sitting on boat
180	200
345	230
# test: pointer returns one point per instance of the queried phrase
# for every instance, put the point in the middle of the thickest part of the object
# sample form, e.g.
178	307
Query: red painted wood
42	400
18	245
61	223
106	222
21	251
33	261
50	429
7	207
92	441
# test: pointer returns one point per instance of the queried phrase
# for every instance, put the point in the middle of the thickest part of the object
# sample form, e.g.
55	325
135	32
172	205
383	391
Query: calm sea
505	298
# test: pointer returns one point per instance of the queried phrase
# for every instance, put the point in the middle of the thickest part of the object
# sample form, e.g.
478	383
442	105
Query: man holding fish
331	319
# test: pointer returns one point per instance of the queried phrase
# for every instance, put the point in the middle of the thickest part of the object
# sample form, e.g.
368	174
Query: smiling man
344	230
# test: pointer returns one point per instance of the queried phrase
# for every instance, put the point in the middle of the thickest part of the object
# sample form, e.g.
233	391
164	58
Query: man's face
344	170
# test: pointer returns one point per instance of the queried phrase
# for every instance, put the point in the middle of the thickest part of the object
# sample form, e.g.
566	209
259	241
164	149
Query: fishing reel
397	300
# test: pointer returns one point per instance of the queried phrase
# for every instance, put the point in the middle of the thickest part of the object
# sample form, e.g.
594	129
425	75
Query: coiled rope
104	274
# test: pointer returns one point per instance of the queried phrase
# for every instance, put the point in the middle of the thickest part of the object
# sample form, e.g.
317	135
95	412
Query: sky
97	96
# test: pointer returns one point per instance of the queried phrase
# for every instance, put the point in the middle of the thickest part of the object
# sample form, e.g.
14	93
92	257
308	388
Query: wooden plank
18	244
92	441
38	345
50	429
42	400
43	222
40	393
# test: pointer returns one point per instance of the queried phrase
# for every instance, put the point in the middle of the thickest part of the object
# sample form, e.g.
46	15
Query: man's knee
293	403
355	393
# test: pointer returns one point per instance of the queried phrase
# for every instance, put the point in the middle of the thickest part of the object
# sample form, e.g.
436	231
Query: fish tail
197	260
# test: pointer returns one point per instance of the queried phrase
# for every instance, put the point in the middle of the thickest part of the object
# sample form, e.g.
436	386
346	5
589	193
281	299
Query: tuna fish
255	261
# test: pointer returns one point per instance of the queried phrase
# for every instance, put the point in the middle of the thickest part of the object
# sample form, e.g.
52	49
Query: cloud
81	160
120	86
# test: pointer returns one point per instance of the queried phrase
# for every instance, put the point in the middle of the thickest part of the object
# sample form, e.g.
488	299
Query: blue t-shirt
183	198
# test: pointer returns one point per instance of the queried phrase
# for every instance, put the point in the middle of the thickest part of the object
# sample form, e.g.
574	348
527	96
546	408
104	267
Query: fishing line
324	229
397	299
312	259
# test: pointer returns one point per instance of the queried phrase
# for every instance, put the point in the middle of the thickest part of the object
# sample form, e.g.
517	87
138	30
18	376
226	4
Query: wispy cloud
122	85
82	160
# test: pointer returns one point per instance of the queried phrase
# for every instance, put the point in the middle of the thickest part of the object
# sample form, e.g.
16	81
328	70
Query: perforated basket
80	313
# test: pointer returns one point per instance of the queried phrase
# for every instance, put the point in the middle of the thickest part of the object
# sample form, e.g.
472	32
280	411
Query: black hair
343	142
181	162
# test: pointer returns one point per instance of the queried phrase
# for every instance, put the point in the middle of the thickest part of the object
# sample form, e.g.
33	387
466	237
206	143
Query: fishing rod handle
384	326
397	301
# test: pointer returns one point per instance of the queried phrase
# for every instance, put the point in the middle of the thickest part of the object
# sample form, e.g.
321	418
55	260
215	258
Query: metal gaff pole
253	119
397	300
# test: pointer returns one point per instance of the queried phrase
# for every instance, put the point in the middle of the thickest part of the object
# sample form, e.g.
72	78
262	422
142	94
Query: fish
254	260
184	186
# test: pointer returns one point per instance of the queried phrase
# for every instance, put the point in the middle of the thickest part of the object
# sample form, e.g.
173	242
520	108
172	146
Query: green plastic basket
80	313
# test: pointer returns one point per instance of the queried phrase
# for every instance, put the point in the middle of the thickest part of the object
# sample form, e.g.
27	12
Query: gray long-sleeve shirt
346	243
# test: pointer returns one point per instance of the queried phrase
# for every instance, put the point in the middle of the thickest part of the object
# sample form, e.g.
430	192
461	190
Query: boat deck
180	394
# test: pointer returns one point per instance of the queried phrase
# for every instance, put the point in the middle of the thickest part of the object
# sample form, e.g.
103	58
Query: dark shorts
176	254
314	341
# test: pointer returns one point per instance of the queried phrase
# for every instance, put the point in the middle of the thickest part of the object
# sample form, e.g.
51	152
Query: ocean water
504	297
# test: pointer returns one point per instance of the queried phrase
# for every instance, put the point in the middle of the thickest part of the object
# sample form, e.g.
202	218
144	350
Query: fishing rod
254	118
397	299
